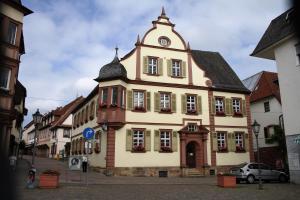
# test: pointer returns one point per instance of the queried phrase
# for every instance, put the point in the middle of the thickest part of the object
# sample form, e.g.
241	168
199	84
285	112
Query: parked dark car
250	173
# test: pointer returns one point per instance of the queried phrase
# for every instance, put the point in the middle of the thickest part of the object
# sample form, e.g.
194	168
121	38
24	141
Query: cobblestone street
102	187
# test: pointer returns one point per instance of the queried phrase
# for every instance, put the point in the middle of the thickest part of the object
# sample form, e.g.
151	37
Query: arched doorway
191	154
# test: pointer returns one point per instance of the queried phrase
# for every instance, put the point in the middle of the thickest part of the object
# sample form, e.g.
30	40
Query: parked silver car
250	173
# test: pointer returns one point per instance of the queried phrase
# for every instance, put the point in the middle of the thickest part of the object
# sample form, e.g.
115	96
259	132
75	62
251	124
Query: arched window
97	148
87	113
92	110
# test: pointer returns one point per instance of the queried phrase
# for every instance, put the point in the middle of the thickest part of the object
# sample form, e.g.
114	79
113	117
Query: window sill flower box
166	149
239	149
192	112
138	149
165	110
49	179
237	114
226	180
138	108
220	114
222	149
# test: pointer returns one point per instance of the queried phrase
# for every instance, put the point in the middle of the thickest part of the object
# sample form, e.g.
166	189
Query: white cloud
68	41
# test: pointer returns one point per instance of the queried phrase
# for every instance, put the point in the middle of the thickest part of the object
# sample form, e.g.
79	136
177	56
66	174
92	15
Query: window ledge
240	151
180	77
165	112
191	113
238	115
134	151
220	114
152	74
161	151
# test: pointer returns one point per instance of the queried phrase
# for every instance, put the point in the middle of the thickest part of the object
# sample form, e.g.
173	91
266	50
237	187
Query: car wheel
282	178
250	179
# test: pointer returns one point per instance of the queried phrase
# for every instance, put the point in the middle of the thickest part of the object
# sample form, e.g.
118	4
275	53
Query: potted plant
165	110
226	180
138	148
222	149
166	149
49	179
139	108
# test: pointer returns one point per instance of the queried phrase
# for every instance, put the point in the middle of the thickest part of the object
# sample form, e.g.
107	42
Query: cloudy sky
67	41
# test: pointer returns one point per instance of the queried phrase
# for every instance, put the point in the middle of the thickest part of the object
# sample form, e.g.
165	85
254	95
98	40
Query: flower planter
49	179
226	181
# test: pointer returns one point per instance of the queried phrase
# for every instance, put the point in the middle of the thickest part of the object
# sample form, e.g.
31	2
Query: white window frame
190	102
236	105
176	68
221	138
219	104
139	99
138	138
192	127
165	139
152	65
239	140
165	101
8	75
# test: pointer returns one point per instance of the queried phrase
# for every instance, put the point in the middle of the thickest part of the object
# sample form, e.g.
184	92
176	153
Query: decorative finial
116	51
188	46
138	40
163	13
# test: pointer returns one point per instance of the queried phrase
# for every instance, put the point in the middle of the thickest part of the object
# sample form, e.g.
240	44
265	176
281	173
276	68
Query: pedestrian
84	163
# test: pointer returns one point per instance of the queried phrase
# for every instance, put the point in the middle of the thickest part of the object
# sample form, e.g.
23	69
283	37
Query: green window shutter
183	103
148	101
231	142
228	106
148	140
213	105
156	102
128	140
244	108
214	141
246	141
174	141
183	69
173	102
156	140
129	100
145	64
199	105
160	66
169	67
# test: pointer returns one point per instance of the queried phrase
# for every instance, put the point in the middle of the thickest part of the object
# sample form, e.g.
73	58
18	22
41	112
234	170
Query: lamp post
37	119
255	128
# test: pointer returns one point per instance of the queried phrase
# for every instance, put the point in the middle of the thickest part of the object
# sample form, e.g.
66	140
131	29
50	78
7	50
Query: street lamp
255	128
37	119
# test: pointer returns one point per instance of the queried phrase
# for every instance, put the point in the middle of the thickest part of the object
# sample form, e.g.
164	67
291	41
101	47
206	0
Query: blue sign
88	133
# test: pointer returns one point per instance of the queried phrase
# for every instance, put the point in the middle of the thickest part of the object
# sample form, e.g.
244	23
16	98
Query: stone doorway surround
199	138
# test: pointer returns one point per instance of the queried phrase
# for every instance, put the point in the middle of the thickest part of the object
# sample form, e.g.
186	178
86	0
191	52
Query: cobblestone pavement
132	188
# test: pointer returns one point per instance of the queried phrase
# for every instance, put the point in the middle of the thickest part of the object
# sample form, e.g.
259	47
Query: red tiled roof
266	87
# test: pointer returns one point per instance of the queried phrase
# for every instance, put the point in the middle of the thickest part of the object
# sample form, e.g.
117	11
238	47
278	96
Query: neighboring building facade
266	110
280	43
54	132
85	116
28	137
11	48
170	109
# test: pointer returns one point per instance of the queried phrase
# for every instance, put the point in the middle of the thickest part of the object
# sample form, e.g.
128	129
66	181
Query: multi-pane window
138	99
267	106
114	96
236	105
192	127
4	78
221	141
104	96
239	141
219	105
165	140
191	103
176	68
138	138
66	133
152	65
12	33
165	101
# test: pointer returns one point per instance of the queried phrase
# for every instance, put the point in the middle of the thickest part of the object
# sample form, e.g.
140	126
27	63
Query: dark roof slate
218	70
278	29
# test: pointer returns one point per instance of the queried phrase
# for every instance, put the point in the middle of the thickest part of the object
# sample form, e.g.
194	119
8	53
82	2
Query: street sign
75	163
88	133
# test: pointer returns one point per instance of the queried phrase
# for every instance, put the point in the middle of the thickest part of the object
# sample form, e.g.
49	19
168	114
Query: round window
164	41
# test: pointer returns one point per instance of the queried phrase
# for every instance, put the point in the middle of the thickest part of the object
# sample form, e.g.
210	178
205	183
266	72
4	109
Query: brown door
191	155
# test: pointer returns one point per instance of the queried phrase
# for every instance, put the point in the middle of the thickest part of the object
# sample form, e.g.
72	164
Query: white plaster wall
11	12
68	121
265	118
289	82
